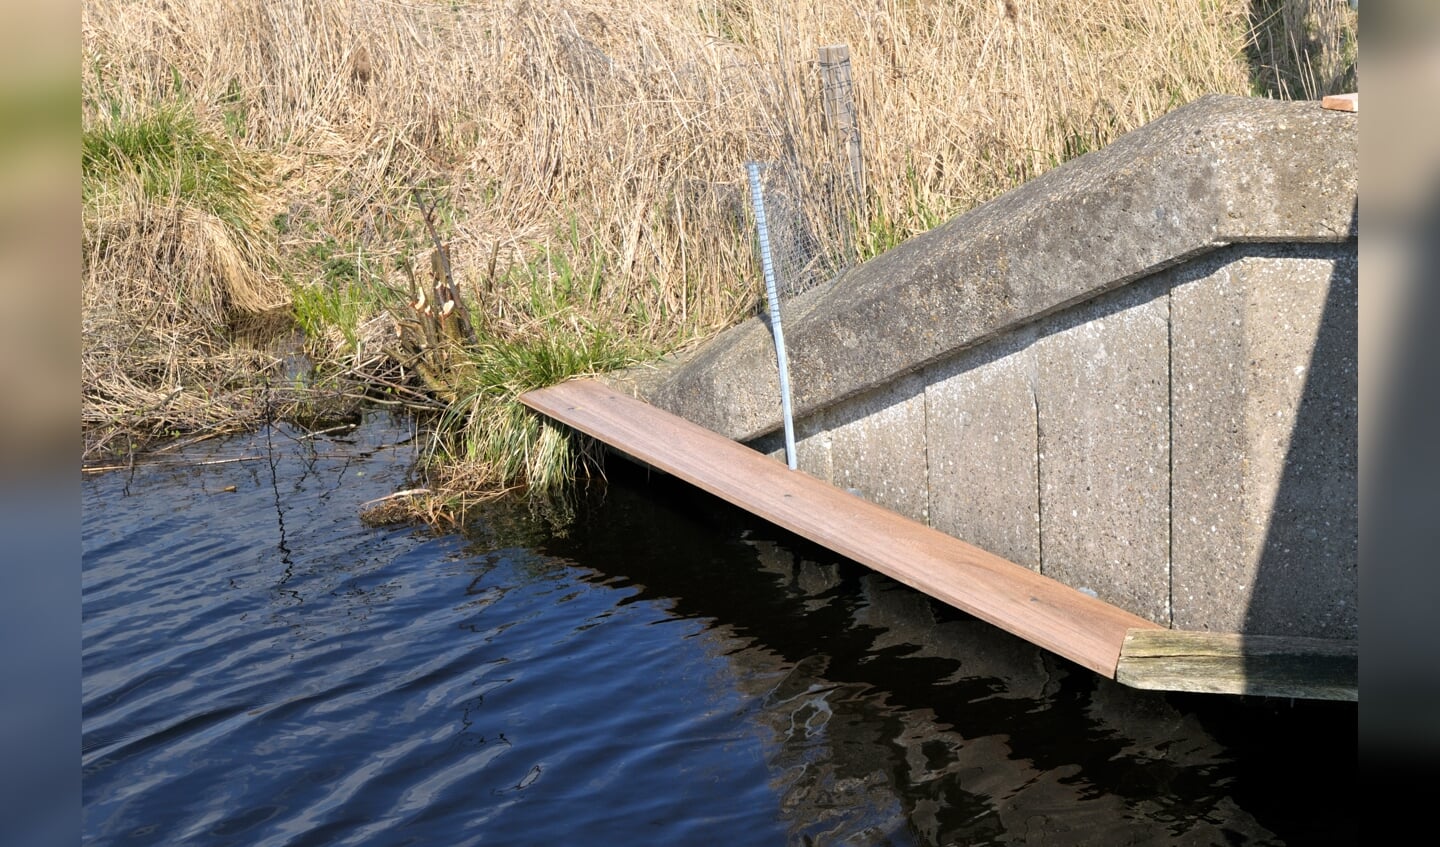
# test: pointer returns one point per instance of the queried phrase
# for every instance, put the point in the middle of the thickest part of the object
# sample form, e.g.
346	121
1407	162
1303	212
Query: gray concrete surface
1136	374
1104	425
982	426
1217	171
1264	408
878	447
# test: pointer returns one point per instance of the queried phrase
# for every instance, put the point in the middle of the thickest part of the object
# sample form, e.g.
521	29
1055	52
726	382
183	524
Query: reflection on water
259	668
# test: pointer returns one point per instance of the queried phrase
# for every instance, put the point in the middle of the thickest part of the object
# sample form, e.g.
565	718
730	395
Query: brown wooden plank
1226	663
1041	610
1341	102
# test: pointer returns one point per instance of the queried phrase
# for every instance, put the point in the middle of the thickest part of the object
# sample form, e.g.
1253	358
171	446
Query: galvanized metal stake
762	230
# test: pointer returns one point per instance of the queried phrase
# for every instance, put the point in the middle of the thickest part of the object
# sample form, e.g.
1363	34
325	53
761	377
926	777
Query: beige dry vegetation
170	255
587	155
1304	49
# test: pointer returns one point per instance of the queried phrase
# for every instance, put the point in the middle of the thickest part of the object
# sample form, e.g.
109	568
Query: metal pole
762	230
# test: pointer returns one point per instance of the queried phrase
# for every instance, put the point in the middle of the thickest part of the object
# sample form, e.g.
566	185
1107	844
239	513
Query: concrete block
873	445
813	443
981	432
1265	433
1216	522
877	447
812	447
1104	433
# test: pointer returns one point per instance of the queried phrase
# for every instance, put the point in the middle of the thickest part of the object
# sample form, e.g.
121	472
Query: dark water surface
262	669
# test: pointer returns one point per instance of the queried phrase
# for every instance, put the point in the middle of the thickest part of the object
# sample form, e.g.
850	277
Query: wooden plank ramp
1085	630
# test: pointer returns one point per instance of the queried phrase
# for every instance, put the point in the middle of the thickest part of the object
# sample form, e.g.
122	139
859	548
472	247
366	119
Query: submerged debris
394	509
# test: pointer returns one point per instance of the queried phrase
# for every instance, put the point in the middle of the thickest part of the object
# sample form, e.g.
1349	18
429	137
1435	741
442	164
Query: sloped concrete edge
1218	171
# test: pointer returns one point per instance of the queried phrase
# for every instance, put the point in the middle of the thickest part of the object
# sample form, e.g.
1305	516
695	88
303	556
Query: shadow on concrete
1311	546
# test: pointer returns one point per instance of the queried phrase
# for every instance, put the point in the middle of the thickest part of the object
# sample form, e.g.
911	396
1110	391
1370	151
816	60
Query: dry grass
170	258
1304	49
629	122
590	153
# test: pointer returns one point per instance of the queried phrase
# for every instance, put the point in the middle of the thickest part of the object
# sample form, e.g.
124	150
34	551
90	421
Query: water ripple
270	672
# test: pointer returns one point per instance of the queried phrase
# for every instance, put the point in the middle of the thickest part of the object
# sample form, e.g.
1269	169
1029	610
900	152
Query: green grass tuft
169	158
489	435
326	307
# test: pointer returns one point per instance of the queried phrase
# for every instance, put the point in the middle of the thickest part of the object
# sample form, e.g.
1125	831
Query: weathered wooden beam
838	92
1228	663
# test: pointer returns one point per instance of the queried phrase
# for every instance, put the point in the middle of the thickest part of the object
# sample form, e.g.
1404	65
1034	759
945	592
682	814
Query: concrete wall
1185	447
1136	374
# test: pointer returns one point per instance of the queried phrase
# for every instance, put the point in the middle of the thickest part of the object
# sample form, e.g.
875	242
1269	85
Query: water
259	668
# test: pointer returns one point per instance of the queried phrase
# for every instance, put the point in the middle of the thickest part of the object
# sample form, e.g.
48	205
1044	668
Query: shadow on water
666	669
880	699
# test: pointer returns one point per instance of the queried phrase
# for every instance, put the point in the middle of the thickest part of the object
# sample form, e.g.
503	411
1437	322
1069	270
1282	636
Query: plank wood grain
1041	610
1228	663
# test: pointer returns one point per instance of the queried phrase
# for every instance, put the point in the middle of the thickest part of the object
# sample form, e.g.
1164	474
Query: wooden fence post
839	99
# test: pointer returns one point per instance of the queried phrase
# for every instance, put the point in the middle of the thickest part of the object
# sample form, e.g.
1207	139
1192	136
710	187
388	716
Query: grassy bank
585	162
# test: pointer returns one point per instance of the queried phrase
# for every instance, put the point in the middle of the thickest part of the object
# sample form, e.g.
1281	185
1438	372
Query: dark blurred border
39	341
39	479
1400	393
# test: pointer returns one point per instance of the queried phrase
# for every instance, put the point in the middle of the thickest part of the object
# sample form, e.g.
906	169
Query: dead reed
170	255
1304	49
589	154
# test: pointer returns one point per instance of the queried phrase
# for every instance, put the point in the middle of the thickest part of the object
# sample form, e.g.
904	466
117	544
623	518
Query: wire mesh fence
814	199
810	225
